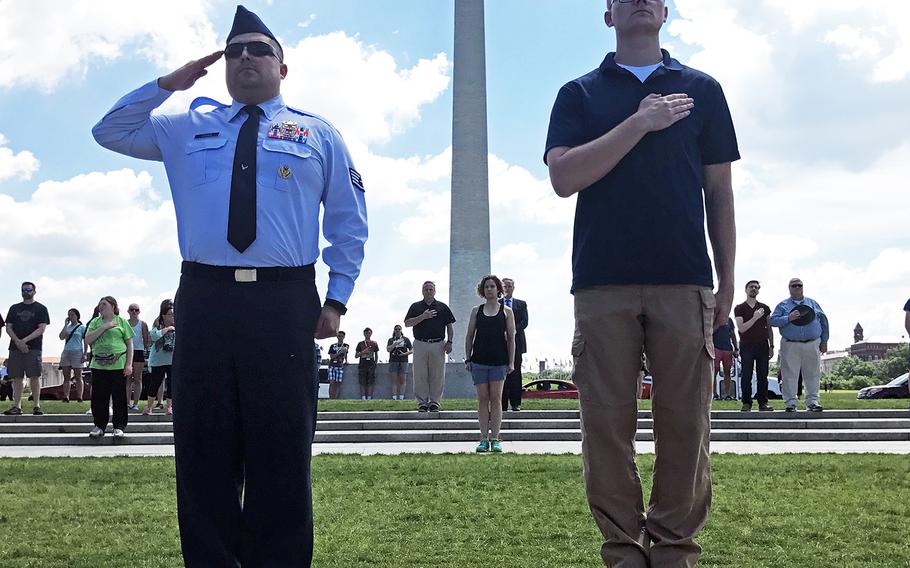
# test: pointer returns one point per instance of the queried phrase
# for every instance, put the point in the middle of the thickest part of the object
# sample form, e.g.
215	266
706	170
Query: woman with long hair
489	356
399	348
111	338
161	356
73	354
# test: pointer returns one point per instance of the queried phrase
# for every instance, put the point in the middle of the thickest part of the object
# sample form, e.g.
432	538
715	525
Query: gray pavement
464	447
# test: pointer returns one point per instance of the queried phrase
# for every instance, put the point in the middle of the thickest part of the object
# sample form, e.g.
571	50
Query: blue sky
816	90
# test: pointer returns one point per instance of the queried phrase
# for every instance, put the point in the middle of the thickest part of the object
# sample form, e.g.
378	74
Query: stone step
429	436
522	415
162	426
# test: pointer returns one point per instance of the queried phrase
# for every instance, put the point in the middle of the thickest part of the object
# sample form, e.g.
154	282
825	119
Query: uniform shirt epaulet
206	101
309	115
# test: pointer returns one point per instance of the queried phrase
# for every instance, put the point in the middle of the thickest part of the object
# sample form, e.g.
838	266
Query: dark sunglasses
28	289
254	48
133	310
796	285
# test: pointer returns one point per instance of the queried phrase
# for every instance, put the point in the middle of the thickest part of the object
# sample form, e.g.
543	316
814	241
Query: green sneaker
495	446
483	446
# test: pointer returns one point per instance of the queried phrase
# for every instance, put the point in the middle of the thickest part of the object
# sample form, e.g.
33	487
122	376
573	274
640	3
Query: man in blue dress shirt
247	182
804	337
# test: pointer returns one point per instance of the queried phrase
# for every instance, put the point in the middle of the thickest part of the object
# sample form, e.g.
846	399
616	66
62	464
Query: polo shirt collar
269	108
609	63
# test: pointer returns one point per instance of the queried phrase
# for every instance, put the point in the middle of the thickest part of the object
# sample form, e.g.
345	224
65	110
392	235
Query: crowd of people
643	140
130	361
494	344
114	347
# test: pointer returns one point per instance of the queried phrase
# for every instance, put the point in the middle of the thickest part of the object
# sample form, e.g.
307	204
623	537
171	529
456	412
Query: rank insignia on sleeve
284	171
288	130
356	180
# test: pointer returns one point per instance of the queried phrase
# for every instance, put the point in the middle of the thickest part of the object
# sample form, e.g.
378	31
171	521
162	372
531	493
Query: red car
549	388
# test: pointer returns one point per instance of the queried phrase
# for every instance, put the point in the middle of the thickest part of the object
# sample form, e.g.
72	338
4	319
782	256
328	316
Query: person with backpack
73	355
161	356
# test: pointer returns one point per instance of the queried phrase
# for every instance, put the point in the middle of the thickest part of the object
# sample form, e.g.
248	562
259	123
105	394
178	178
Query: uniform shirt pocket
203	165
284	163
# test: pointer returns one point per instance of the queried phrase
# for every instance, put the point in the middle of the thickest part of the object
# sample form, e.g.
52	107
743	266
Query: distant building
874	348
832	358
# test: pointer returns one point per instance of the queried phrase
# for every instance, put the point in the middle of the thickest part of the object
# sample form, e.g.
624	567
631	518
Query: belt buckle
245	275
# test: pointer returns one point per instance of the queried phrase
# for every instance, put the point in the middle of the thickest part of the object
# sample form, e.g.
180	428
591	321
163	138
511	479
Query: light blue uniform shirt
815	330
293	179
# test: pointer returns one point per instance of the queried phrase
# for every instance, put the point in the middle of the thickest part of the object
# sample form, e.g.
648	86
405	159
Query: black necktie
242	212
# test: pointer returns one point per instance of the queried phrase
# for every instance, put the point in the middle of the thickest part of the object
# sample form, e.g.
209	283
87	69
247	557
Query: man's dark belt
431	340
249	274
801	340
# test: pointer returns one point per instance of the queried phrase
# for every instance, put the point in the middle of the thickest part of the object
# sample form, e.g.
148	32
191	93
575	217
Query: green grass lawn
467	511
844	400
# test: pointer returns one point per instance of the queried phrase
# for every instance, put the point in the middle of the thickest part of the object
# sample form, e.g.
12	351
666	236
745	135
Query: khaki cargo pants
674	326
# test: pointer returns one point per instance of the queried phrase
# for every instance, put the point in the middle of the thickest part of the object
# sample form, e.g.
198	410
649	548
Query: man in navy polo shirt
646	143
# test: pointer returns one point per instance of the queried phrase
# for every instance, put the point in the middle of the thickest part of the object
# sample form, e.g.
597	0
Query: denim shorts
396	367
483	374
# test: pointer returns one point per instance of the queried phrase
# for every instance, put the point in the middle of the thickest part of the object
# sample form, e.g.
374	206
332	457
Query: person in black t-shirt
756	345
399	347
368	353
432	322
25	323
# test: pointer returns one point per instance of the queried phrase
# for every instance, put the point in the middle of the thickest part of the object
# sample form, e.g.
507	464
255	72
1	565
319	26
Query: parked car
898	388
549	388
774	391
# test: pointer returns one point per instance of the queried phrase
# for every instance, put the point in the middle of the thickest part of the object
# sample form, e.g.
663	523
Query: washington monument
469	252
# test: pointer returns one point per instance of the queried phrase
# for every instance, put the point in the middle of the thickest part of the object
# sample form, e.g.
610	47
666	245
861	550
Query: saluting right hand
185	77
759	312
429	314
659	112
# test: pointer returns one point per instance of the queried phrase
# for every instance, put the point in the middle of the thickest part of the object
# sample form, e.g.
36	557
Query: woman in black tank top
489	355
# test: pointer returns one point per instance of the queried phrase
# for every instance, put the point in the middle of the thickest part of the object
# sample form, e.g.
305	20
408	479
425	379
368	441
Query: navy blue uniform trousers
244	417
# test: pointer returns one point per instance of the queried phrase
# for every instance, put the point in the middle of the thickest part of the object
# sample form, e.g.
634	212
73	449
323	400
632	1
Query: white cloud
517	195
360	88
431	220
306	23
878	36
853	43
46	42
20	165
398	181
95	221
516	253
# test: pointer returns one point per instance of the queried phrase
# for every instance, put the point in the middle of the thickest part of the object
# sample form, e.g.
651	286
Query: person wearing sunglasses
803	328
249	181
646	141
25	325
141	342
